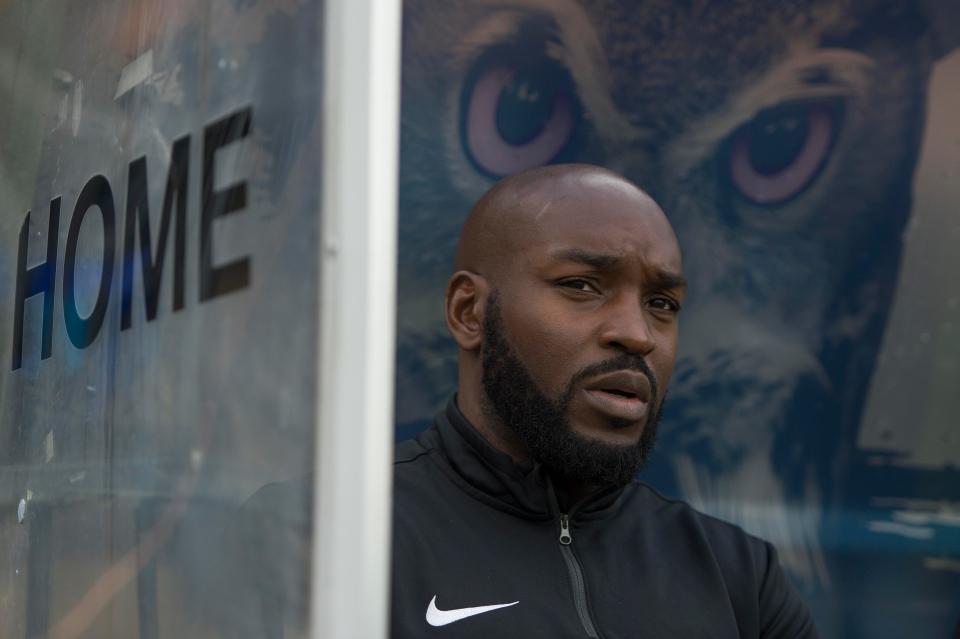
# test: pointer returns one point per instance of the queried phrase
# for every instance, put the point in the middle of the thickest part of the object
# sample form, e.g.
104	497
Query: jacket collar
492	476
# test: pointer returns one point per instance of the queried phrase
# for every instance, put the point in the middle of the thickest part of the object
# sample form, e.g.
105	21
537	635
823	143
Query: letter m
138	211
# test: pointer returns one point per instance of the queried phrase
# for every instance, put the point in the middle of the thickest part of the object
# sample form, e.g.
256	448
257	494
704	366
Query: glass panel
159	166
807	157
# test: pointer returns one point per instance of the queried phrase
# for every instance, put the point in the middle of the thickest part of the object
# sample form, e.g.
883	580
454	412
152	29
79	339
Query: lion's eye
517	114
778	154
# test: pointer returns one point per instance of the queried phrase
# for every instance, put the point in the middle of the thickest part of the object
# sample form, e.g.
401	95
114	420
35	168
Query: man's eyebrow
604	261
669	279
600	261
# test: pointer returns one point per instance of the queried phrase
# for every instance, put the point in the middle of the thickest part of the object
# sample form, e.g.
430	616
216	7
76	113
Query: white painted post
352	513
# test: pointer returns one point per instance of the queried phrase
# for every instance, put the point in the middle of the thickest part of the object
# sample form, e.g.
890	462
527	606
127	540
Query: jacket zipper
575	571
576	577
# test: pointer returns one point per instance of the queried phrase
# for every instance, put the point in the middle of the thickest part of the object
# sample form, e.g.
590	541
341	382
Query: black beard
541	423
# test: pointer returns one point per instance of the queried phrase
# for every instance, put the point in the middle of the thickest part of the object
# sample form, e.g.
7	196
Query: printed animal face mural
781	141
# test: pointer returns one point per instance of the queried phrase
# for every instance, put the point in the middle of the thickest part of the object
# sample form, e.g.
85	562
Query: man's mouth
622	394
617	391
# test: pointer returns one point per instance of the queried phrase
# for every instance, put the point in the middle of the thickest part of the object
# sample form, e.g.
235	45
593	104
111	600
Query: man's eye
664	304
584	286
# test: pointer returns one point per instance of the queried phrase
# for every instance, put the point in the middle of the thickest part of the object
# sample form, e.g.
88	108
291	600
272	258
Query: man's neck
491	429
570	492
502	438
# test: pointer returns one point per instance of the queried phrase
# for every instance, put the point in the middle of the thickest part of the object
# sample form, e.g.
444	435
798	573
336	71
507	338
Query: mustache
623	362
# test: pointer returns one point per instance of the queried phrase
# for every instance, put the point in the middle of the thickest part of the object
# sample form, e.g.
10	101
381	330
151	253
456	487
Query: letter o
83	330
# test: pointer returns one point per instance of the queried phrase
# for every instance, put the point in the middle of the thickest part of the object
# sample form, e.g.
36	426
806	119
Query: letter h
33	281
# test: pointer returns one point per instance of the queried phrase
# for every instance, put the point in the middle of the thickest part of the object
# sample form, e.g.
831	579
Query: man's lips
631	409
623	394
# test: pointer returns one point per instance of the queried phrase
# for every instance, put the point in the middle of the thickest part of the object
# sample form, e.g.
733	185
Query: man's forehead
620	225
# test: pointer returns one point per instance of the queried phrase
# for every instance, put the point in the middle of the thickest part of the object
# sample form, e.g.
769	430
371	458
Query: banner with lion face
803	153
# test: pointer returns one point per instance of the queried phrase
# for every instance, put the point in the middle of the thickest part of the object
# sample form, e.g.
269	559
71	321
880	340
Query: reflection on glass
158	264
800	158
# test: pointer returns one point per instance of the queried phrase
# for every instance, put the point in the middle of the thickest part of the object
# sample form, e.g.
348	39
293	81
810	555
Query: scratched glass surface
174	145
808	156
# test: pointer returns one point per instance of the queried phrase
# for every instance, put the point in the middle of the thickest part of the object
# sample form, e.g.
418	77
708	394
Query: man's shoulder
691	541
406	452
414	468
676	518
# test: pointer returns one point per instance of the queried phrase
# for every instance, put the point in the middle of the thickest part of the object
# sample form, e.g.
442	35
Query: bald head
519	208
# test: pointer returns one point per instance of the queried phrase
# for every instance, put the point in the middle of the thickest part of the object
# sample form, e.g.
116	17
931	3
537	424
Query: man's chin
623	436
594	458
592	425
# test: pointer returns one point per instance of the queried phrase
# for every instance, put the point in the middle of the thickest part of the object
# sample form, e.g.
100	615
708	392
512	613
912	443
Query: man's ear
464	305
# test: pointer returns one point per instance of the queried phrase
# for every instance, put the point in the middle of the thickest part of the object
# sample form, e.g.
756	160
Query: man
517	514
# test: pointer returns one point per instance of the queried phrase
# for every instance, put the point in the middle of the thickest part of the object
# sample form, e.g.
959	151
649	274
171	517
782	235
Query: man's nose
627	328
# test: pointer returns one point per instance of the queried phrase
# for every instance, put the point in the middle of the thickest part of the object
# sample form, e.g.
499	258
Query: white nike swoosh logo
437	617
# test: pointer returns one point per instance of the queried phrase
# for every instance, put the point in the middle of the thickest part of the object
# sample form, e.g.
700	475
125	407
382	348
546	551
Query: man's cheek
558	347
665	360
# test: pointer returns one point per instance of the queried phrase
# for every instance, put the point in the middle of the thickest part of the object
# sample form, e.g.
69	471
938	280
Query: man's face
540	422
581	336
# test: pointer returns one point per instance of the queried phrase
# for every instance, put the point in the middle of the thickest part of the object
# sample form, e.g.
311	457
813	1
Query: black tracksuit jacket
472	529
